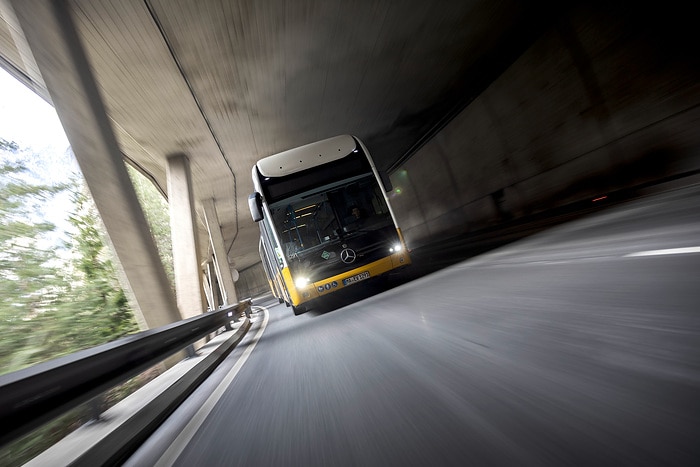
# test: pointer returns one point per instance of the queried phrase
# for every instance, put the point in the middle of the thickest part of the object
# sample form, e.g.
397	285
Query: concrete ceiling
230	82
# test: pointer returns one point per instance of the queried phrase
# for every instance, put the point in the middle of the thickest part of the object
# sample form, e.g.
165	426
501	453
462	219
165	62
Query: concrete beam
54	42
221	265
189	289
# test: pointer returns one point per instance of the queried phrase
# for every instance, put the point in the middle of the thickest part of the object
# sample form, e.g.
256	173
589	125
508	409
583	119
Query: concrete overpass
481	111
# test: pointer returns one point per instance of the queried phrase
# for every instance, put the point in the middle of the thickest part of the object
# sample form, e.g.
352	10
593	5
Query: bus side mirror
386	181
255	205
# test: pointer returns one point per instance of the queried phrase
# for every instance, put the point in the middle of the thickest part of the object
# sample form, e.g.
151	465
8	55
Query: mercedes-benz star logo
348	256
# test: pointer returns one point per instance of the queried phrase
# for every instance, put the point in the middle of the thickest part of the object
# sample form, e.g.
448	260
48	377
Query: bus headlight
396	248
301	282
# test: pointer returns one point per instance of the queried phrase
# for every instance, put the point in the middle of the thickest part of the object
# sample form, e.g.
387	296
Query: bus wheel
299	310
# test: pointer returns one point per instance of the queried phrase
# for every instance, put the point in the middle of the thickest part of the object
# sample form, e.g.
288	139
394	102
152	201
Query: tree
51	306
155	208
98	310
29	285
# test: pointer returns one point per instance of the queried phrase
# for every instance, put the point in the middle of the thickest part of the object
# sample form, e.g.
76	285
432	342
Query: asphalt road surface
579	345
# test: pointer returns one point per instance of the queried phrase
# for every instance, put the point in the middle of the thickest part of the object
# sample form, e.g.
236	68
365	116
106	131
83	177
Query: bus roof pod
307	156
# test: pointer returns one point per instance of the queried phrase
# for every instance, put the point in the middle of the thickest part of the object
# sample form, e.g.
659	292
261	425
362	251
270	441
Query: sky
27	119
33	124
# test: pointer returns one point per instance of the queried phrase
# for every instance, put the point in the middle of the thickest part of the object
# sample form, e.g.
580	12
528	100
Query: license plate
356	278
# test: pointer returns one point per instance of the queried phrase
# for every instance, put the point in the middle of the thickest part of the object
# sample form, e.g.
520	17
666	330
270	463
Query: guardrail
33	396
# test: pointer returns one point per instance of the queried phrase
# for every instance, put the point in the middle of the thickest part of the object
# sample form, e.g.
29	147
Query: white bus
325	220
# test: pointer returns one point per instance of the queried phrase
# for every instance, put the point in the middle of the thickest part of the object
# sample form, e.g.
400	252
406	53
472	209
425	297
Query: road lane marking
180	443
670	251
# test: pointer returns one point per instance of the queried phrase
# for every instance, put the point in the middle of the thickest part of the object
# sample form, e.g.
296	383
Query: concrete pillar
210	290
216	287
183	227
221	265
60	56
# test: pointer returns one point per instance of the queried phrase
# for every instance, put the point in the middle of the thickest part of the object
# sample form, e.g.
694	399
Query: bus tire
298	310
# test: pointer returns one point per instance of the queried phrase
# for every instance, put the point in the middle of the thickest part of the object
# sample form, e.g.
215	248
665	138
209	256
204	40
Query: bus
325	220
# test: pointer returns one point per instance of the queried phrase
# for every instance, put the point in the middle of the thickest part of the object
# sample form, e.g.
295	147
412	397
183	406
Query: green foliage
20	451
58	299
100	311
155	207
29	283
50	306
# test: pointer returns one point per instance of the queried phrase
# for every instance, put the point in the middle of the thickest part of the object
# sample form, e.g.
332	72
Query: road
579	345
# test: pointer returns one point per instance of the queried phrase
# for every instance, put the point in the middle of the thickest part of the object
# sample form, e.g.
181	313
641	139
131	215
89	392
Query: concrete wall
252	282
605	99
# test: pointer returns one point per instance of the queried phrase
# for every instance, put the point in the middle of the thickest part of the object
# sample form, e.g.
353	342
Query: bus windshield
331	214
325	220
